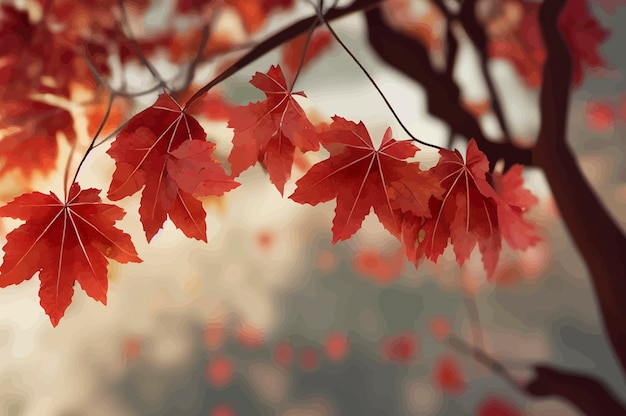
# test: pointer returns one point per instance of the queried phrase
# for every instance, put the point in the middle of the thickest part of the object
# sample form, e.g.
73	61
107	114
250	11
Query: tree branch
588	394
478	37
443	96
597	236
280	38
599	239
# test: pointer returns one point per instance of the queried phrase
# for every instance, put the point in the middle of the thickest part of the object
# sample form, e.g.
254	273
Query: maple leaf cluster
58	54
456	201
163	153
453	202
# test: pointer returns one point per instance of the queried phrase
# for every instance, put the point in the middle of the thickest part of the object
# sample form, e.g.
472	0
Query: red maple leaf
447	375
31	143
471	212
359	177
32	62
66	243
271	130
515	35
163	150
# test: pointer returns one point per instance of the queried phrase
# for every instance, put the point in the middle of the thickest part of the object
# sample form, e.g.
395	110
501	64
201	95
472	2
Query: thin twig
374	84
191	71
303	56
112	134
117	92
442	94
278	39
495	366
95	136
478	37
472	312
140	54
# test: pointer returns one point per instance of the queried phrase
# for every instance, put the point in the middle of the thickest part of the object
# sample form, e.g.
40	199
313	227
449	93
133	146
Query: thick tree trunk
599	239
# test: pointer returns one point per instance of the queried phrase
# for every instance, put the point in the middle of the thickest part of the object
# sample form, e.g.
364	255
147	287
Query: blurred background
269	317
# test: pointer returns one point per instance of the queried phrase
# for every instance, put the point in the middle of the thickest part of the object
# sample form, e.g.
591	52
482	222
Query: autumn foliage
163	152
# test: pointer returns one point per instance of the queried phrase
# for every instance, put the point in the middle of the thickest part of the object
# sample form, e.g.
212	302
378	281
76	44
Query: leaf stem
303	56
477	35
140	54
369	77
107	113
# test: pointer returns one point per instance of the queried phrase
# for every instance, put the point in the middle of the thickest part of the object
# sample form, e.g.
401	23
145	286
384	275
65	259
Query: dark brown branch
140	55
443	96
588	394
483	358
478	37
451	42
280	38
557	75
599	239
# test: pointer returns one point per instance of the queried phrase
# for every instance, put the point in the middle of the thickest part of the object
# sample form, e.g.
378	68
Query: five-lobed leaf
359	177
269	131
65	243
164	151
471	212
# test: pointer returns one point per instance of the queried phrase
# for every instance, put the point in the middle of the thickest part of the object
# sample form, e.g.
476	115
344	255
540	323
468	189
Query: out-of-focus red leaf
219	372
223	410
496	406
254	13
336	346
265	240
283	353
30	142
400	348
515	35
427	26
439	328
378	267
34	61
600	116
131	348
447	376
